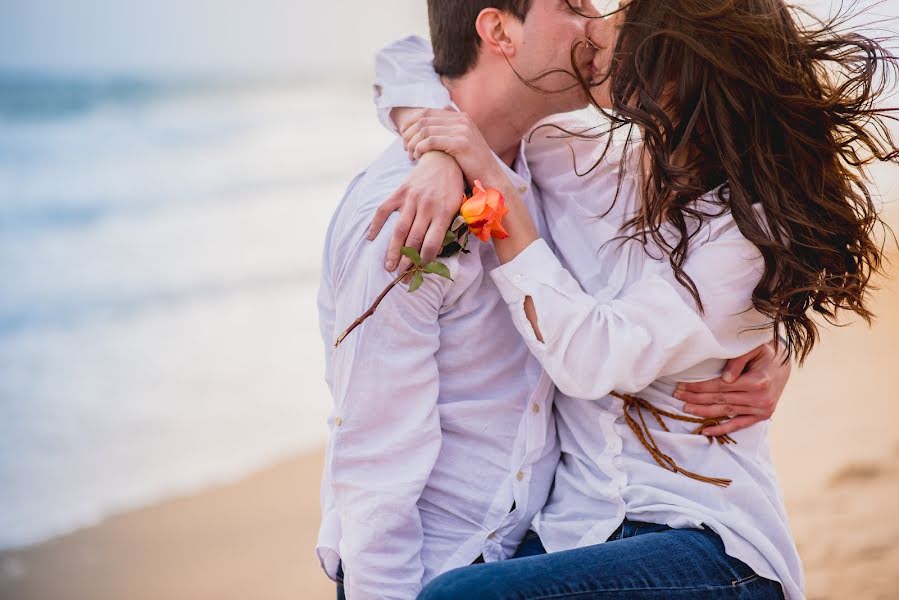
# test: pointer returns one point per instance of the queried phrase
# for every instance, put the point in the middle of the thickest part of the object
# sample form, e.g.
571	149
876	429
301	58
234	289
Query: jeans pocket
745	580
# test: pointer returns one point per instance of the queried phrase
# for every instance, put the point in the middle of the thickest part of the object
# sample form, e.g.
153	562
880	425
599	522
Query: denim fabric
529	546
341	594
640	561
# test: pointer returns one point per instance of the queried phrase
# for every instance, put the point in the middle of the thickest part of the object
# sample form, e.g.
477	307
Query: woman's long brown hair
739	94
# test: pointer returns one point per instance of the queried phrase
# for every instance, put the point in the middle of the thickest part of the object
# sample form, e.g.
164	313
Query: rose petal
499	232
474	207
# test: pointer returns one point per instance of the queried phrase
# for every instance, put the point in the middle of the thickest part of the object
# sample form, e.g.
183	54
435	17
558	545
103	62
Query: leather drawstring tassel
643	433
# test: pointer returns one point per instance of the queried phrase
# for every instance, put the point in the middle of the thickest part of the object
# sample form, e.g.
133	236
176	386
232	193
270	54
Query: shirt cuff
408	96
515	279
329	561
537	272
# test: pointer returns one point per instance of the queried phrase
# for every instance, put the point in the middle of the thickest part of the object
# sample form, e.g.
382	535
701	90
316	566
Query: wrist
494	177
404	117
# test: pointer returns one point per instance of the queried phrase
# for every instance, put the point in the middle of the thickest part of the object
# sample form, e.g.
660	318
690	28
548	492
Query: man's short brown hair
453	34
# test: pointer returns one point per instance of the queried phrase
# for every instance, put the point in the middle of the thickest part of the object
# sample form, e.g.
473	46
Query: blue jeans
639	561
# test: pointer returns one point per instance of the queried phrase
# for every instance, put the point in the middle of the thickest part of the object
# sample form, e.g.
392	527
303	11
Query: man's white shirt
442	442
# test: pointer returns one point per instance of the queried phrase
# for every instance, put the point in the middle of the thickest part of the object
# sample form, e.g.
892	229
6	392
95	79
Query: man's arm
386	435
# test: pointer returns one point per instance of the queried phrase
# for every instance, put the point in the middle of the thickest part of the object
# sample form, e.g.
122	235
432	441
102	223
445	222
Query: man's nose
594	33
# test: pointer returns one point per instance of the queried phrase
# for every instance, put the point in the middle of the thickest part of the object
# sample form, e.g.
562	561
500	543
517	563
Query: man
443	446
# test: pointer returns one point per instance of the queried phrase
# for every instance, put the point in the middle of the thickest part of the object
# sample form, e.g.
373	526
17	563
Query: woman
733	208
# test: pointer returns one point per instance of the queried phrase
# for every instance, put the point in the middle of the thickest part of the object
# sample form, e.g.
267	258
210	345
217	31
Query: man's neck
501	118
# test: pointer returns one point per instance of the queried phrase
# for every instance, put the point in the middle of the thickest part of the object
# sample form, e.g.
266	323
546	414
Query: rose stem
373	307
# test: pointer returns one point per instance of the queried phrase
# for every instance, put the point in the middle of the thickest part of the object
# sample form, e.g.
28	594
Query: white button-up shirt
614	318
442	444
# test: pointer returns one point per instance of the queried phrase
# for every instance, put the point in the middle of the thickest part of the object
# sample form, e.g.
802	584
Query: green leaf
438	268
449	238
417	280
450	250
412	254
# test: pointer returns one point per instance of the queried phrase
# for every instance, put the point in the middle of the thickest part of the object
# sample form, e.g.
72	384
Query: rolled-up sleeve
385	427
593	345
405	77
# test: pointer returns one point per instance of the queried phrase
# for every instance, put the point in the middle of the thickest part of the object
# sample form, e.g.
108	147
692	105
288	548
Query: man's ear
498	32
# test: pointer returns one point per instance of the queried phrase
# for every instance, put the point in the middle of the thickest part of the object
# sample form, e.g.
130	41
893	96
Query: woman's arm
589	346
625	340
404	76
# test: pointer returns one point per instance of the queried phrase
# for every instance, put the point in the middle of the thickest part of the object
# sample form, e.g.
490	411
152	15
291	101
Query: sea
160	247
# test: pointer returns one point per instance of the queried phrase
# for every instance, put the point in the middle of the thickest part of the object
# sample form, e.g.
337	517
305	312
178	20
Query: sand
835	441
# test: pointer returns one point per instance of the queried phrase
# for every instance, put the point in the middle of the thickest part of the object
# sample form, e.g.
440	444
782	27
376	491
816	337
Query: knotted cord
643	433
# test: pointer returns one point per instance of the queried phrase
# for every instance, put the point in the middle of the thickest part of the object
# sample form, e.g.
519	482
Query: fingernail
370	235
728	377
390	265
678	395
681	386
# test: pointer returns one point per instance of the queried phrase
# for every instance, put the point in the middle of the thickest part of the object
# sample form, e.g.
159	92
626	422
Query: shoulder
364	195
381	178
350	256
574	150
719	225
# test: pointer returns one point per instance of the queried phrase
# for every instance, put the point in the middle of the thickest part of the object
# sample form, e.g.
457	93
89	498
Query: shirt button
520	476
523	189
535	409
516	279
338	421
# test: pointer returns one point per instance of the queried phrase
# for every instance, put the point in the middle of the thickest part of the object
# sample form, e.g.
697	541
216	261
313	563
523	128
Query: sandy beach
834	438
834	441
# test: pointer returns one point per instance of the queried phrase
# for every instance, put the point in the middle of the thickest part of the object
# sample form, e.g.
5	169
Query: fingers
736	366
718	411
737	424
433	243
708	398
428	123
441	143
398	240
757	395
750	382
416	237
712	386
430	131
387	208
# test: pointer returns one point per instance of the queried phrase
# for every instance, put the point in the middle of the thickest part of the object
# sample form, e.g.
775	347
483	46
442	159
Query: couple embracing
580	409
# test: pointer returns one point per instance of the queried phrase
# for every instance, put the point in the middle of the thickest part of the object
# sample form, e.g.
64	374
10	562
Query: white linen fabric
614	318
442	443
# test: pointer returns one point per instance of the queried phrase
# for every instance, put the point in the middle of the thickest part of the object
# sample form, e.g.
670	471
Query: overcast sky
185	36
218	36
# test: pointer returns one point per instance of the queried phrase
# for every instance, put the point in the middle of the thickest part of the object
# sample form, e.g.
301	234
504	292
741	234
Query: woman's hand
455	134
748	391
428	201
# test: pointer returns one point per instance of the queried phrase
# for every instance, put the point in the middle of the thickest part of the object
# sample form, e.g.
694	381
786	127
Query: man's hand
428	201
747	391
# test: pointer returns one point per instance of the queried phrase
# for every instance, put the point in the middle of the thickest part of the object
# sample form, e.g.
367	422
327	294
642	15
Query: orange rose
484	213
